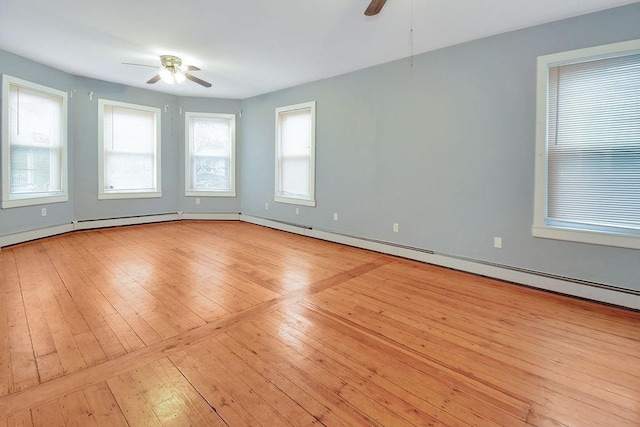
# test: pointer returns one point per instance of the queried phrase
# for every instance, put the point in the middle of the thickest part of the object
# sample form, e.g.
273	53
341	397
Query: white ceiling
250	47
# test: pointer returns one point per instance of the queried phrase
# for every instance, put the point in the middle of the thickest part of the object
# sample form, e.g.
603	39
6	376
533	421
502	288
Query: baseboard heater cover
90	224
27	236
128	220
594	291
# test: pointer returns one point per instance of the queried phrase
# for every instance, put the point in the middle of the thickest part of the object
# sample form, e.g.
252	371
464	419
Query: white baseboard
567	287
26	236
133	220
212	216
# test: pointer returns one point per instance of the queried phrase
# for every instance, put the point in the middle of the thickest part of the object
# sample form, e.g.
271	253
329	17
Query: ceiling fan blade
192	68
139	65
197	80
374	7
154	79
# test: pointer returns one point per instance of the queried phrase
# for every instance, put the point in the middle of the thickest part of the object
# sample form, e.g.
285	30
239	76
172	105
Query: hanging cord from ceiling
411	35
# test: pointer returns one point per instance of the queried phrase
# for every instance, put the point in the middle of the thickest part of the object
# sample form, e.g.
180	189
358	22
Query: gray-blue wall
444	148
29	217
83	151
86	203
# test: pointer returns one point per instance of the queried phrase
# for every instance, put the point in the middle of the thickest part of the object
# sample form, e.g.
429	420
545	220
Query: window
295	154
34	144
588	146
129	150
210	154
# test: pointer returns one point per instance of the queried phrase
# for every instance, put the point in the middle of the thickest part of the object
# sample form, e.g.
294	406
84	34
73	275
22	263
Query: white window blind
130	150
296	153
593	145
34	144
210	154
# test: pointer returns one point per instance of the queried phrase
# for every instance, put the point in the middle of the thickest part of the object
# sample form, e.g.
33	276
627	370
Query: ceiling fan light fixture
173	71
179	76
166	76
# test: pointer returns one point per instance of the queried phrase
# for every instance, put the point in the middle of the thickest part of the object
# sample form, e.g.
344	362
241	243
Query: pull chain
411	36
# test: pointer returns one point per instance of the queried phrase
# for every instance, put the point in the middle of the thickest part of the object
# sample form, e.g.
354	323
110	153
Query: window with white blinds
210	154
592	147
129	139
295	154
34	144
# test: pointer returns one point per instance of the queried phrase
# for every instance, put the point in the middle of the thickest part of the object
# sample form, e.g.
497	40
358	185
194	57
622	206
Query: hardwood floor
227	323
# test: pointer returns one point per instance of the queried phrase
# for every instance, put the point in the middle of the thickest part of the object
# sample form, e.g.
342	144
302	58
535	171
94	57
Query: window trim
128	194
32	198
193	192
311	200
541	227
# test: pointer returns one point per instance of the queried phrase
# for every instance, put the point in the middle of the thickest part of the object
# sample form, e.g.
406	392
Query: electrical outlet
266	206
497	242
197	201
395	227
335	216
297	211
44	211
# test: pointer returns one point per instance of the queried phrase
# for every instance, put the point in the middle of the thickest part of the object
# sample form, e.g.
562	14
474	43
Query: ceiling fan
374	7
172	71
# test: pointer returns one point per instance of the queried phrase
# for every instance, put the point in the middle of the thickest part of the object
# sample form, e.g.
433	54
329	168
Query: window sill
205	193
129	195
294	201
30	201
584	236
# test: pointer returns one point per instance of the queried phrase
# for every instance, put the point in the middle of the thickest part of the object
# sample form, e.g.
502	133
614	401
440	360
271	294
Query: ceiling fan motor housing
170	62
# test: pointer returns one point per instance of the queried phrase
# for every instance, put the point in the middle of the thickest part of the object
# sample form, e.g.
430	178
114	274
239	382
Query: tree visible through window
210	154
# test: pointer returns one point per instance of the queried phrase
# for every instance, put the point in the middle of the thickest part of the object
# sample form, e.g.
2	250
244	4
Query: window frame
128	194
292	199
194	192
39	198
541	226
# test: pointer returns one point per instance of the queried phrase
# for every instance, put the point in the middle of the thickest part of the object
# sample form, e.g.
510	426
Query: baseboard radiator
594	291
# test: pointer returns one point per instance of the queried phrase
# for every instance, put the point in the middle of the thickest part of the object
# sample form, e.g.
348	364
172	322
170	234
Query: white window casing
210	154
129	161
295	154
587	171
34	144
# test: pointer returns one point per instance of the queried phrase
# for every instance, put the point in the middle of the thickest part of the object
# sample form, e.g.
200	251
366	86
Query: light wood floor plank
269	392
76	410
48	415
204	378
444	399
285	355
303	380
318	410
104	408
228	323
398	400
20	419
132	400
586	371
